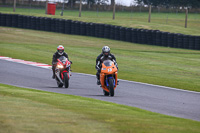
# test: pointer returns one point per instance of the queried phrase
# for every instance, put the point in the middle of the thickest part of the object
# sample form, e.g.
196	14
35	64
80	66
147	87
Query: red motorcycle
63	72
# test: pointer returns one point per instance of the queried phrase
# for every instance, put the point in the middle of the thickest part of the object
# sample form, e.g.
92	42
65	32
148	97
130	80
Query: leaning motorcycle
108	77
63	72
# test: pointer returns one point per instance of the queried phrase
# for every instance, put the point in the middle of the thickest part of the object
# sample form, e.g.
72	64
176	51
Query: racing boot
54	76
98	78
98	82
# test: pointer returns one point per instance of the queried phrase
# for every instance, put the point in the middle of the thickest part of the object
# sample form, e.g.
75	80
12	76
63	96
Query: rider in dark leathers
105	55
60	52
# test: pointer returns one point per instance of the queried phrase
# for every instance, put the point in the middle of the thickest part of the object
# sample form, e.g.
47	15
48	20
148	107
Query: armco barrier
88	29
61	27
170	38
128	34
185	41
175	40
77	27
122	33
92	28
107	31
14	20
197	42
112	32
191	42
164	39
53	25
33	22
117	32
180	41
83	28
149	37
68	26
158	38
73	27
143	36
134	35
47	24
96	30
101	30
8	20
20	21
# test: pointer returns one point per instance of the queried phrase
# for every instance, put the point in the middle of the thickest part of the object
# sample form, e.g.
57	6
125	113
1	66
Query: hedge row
141	36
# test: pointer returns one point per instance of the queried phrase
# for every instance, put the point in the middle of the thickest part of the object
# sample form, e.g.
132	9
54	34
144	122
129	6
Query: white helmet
60	49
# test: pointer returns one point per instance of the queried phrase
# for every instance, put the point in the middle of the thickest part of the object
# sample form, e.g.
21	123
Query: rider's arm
98	63
54	59
114	60
65	54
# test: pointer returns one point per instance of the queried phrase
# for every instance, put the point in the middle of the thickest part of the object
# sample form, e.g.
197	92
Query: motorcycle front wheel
111	87
66	80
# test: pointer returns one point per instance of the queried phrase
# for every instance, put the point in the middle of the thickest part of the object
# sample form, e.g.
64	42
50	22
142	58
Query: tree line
171	3
90	2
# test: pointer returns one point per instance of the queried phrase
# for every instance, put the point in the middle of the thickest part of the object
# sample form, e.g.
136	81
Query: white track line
46	66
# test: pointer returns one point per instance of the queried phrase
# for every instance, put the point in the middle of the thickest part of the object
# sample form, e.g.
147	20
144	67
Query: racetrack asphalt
164	100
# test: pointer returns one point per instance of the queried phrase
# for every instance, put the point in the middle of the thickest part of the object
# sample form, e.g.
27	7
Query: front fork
58	76
104	78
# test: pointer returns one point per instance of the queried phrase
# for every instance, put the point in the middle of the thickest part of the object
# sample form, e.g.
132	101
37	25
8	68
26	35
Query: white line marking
46	66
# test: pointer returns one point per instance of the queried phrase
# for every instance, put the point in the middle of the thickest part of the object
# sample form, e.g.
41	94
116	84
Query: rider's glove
70	62
54	63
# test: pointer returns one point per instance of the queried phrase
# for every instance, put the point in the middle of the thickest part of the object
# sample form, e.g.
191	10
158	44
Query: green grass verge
177	68
27	110
170	22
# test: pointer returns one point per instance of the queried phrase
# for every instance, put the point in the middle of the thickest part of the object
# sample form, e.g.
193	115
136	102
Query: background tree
112	2
173	3
71	3
102	2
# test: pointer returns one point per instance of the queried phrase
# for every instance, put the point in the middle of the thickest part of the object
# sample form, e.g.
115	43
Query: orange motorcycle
108	77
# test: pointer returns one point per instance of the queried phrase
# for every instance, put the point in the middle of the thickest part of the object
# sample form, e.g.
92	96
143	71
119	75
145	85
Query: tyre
66	80
105	93
111	87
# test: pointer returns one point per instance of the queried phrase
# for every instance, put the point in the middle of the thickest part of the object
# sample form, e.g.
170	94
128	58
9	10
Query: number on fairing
110	70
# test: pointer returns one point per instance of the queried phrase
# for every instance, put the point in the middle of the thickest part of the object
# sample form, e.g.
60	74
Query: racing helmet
60	49
106	50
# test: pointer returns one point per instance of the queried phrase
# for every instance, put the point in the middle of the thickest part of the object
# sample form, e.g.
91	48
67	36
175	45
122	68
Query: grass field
170	22
177	68
26	110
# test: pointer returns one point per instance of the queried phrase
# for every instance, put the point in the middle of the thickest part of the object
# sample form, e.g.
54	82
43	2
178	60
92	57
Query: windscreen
62	59
107	63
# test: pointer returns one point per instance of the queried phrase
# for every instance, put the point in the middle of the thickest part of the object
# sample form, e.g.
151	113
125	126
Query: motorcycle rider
105	55
60	52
